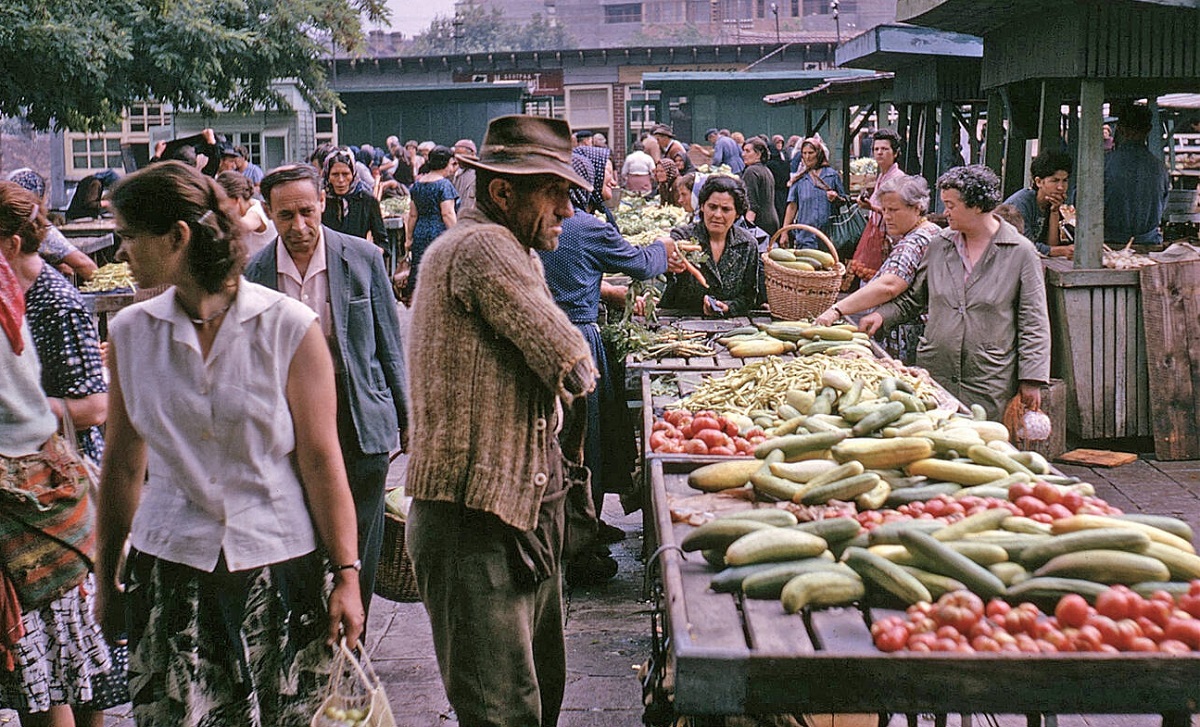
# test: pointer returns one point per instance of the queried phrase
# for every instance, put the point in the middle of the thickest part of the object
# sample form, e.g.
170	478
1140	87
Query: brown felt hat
527	145
664	130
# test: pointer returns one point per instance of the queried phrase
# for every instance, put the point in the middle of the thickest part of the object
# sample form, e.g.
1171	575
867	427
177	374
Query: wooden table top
742	656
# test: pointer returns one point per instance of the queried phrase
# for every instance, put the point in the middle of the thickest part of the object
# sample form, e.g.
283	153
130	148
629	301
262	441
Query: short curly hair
978	186
1048	162
729	185
891	137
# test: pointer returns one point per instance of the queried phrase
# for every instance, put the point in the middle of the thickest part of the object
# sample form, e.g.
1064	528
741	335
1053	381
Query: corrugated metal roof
834	87
744	76
979	17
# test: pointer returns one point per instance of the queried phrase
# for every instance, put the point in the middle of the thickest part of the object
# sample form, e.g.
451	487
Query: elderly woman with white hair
905	200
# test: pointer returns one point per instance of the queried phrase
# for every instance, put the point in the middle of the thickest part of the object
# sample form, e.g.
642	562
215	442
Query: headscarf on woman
667	193
342	156
822	153
595	158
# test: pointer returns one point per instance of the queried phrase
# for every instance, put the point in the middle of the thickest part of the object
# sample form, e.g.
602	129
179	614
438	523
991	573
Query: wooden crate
1170	294
1099	350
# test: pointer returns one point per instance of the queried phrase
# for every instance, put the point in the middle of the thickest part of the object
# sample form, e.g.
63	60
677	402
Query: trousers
497	619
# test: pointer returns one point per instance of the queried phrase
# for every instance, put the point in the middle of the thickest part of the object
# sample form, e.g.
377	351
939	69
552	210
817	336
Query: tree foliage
482	30
77	63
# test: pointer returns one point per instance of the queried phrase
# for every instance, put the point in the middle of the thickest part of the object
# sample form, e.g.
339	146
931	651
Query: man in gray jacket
343	280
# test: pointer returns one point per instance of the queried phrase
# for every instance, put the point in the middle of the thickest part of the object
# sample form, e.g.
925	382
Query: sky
412	16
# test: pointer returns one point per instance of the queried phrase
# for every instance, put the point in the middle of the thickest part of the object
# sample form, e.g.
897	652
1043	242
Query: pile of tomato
943	508
1046	503
705	432
1120	621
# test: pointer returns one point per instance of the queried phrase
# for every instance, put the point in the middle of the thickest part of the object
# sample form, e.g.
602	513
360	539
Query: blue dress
588	248
428	198
812	205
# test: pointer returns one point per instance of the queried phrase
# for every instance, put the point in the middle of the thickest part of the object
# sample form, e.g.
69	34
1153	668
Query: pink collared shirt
311	288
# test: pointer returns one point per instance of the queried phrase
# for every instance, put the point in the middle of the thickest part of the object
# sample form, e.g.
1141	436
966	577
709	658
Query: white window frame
588	123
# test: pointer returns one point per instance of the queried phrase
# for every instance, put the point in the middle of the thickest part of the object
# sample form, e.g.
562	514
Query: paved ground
608	627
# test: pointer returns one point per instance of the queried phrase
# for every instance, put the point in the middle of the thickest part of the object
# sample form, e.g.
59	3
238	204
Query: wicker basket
395	580
796	294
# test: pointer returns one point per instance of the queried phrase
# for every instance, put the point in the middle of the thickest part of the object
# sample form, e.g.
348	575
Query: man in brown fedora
672	148
494	363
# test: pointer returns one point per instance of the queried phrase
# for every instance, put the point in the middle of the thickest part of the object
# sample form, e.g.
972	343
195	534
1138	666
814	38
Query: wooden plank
1096	359
842	630
1121	364
1097	458
771	630
1108	384
713	619
1171	367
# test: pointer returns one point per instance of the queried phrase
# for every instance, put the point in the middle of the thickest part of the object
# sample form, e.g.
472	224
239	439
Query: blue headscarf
589	162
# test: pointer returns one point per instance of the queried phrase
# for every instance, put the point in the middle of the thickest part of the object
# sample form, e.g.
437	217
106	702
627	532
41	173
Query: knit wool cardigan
488	357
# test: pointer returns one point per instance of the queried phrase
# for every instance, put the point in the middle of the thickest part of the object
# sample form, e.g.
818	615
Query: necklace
209	319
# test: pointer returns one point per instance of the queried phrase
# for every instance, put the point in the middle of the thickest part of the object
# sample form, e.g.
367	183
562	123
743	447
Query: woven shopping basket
395	580
797	294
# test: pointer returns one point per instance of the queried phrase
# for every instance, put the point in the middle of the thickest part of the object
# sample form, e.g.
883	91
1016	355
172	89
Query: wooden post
912	141
993	137
1049	119
808	121
1089	199
929	164
948	133
834	135
1014	162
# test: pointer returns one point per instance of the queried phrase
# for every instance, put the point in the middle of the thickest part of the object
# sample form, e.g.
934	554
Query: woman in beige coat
988	333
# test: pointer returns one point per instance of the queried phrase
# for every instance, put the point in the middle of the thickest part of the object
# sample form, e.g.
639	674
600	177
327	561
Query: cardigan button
540	424
539	479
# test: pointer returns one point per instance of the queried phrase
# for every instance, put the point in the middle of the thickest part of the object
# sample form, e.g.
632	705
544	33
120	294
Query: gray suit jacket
367	332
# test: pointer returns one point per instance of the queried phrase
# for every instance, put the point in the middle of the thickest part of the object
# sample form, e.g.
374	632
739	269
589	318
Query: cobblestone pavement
608	626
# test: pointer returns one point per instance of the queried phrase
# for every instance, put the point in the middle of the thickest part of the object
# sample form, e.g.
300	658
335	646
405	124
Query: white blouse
219	433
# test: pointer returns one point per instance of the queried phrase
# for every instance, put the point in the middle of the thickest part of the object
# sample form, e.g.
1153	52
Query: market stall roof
834	88
1179	101
660	80
979	17
891	46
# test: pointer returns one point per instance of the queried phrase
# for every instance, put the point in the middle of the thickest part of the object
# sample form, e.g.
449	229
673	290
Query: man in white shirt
638	170
342	279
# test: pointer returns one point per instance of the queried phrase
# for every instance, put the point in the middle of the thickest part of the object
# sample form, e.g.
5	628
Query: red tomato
1173	646
661	425
1156	610
705	422
755	432
1150	629
673	446
657	440
722	450
731	427
923	639
1030	505
1059	640
985	643
1115	604
1047	493
892	639
686	430
1127	630
742	446
959	609
1058	511
695	446
1072	610
1088	638
676	417
1042	517
1019	490
997	608
1071	500
1187	631
714	438
1190	601
1142	643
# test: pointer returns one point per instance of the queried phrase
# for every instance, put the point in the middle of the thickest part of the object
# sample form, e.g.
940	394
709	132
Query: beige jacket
986	334
488	356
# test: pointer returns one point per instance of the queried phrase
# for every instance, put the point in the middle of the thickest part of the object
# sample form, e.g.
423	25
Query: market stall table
729	655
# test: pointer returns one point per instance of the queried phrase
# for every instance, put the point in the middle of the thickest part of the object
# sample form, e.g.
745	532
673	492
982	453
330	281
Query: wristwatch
837	310
356	565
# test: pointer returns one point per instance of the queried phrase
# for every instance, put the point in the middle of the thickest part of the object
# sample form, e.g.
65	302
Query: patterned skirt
221	648
63	659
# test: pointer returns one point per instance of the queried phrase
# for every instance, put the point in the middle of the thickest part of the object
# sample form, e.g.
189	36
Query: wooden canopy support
1089	196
